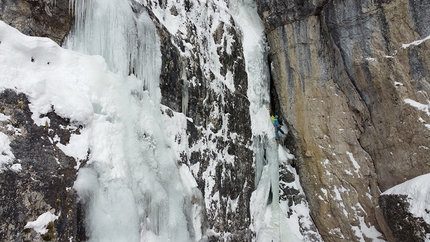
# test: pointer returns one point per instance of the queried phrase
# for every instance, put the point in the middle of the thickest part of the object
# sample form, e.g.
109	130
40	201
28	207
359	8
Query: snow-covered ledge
407	207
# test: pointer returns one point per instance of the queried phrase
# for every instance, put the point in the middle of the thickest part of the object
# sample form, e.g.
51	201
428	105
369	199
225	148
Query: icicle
128	41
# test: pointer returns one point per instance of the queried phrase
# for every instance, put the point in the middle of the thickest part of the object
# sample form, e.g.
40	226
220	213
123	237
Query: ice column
124	36
131	186
265	208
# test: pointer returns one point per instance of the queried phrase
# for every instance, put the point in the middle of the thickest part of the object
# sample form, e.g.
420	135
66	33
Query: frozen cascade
119	32
131	186
271	219
264	205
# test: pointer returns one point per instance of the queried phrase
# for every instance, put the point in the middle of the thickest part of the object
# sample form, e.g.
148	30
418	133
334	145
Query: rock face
220	126
40	177
44	18
349	91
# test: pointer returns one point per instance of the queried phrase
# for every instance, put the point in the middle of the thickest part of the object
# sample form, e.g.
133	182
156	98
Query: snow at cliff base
418	192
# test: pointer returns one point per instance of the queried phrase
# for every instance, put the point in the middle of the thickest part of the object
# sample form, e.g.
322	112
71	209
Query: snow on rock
369	231
77	146
418	192
422	107
53	77
41	223
354	162
283	155
6	155
418	105
16	167
3	117
417	42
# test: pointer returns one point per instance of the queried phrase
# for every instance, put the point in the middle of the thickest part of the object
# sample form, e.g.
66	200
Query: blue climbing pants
277	130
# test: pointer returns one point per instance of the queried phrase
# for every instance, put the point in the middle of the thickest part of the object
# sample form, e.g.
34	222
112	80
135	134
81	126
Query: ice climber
277	126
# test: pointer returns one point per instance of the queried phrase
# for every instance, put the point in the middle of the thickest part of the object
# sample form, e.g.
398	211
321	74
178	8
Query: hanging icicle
127	40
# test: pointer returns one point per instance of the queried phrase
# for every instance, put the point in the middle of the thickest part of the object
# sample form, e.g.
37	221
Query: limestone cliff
348	89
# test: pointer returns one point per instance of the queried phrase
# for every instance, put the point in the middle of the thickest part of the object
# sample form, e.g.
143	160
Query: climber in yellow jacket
277	125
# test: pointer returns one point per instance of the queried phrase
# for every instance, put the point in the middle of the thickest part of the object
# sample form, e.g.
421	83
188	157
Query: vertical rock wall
45	182
41	177
203	77
342	77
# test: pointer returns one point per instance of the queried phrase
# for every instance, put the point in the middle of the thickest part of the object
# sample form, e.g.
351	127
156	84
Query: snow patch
16	167
354	162
283	155
4	117
370	231
422	107
41	222
417	42
78	145
6	155
418	105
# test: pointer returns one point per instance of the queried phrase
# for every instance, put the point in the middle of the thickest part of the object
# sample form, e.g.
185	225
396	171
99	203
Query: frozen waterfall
131	186
271	221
